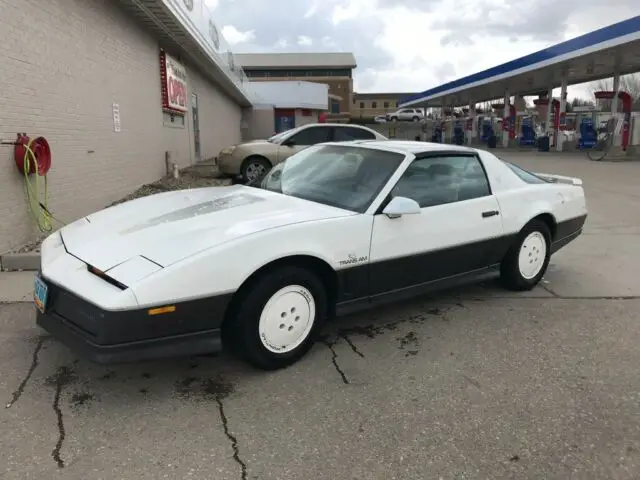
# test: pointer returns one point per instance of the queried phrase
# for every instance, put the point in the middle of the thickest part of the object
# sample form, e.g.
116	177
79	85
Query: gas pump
527	132
552	129
627	102
468	126
509	122
588	134
447	130
458	132
487	130
437	131
555	119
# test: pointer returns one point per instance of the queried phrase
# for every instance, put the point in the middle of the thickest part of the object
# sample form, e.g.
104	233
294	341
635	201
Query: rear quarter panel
520	201
519	206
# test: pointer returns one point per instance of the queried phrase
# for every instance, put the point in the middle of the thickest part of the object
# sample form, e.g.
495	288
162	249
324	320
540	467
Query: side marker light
161	310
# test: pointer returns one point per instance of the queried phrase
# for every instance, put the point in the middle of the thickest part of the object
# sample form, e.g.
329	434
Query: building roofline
250	61
603	38
382	94
272	68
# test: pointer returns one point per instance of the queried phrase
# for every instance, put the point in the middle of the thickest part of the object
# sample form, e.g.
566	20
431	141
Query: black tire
416	119
246	323
255	162
394	119
510	273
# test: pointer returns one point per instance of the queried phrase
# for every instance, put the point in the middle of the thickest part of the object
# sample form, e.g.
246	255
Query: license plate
40	294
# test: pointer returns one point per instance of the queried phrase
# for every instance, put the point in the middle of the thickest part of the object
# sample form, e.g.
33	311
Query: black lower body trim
105	336
482	274
377	283
567	232
570	227
175	346
558	244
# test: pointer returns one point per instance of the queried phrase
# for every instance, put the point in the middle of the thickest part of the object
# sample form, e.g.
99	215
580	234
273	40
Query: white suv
408	114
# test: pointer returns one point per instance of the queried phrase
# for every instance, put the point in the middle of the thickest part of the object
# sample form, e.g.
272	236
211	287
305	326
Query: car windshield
278	136
347	177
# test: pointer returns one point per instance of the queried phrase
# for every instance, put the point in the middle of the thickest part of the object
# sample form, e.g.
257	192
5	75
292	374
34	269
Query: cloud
307	26
235	36
413	45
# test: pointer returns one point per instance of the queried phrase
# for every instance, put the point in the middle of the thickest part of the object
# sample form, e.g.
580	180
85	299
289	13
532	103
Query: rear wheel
279	317
416	119
527	260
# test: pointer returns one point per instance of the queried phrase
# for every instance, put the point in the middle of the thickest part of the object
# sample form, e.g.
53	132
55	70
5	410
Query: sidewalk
16	287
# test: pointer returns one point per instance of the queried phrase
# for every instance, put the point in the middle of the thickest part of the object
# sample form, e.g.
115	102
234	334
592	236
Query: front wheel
279	317
527	260
254	169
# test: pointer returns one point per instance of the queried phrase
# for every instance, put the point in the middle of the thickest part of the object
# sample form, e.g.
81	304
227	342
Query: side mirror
399	206
289	142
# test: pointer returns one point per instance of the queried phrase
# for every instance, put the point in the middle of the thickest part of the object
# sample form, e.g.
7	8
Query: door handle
490	213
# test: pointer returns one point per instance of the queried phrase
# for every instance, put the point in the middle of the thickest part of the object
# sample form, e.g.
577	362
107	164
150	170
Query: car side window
311	136
345	134
439	180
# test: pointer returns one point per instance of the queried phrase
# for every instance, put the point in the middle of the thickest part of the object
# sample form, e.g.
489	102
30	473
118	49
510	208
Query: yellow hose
37	206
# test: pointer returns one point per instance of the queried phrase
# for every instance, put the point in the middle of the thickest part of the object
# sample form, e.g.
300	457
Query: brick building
90	77
334	69
369	105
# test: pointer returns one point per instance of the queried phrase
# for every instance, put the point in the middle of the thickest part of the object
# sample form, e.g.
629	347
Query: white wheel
287	319
532	256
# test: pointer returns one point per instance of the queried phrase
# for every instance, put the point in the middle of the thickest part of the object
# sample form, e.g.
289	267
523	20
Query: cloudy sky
412	45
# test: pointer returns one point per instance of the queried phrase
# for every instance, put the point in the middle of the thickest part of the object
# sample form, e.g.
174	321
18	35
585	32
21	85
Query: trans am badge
352	260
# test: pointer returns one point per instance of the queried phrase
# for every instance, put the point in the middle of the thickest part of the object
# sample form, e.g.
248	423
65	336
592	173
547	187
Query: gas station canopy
593	56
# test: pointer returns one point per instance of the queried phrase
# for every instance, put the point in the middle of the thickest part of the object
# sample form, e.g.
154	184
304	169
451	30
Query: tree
579	102
629	83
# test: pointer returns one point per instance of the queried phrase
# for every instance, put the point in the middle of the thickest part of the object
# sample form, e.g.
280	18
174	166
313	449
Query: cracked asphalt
471	384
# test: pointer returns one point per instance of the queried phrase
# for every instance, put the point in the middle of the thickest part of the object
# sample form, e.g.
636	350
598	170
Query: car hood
168	227
257	143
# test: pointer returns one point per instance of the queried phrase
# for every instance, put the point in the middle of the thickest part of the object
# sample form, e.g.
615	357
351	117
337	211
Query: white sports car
336	228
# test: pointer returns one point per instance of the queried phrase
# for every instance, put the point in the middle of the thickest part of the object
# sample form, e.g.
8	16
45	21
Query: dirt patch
33	246
194	176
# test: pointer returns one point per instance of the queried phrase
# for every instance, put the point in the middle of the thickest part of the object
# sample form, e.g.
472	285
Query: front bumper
108	337
229	164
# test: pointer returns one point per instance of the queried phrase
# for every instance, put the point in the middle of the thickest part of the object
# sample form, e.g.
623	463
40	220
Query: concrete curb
28	261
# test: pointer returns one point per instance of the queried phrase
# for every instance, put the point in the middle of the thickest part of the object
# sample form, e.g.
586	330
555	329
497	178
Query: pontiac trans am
336	228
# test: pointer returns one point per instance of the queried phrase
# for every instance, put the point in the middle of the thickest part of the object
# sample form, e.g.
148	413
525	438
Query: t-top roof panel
590	44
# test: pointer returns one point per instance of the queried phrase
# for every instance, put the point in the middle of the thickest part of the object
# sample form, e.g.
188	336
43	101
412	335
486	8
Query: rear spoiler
560	179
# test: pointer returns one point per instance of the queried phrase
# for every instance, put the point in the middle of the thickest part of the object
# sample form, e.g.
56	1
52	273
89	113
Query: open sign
175	77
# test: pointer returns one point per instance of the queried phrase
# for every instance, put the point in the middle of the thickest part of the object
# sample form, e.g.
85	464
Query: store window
170	119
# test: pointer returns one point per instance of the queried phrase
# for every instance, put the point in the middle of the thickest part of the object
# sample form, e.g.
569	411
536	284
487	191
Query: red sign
174	84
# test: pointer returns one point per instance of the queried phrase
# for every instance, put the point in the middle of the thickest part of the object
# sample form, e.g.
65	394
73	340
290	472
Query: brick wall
342	88
64	63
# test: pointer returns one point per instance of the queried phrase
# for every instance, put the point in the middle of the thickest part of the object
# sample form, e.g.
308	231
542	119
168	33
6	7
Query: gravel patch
189	178
194	176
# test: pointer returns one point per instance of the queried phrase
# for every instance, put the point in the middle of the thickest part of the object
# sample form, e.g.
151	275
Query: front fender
224	268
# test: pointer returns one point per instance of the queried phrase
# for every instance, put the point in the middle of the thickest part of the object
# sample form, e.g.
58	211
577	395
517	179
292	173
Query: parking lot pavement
477	383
